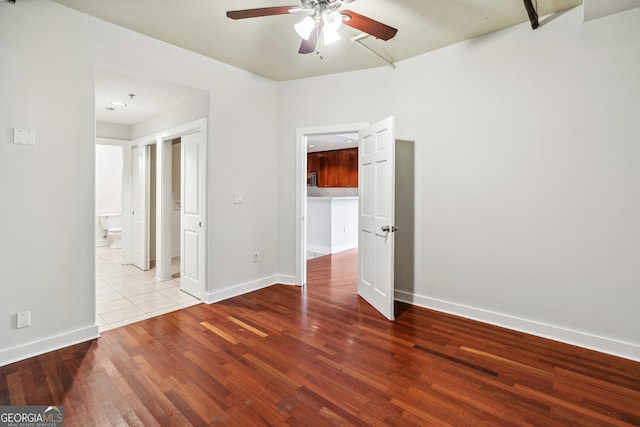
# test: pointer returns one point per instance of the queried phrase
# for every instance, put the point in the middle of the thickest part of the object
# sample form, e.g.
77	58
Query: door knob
387	228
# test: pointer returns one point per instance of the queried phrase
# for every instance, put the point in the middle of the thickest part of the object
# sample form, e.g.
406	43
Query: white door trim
125	196
301	188
141	206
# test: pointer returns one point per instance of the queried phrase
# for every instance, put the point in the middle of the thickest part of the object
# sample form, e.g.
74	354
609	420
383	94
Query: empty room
492	272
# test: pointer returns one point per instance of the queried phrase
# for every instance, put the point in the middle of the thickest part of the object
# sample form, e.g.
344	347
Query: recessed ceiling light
312	146
118	104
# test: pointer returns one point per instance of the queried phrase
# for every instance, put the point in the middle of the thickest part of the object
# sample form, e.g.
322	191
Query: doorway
124	293
332	194
180	200
381	260
175	181
302	139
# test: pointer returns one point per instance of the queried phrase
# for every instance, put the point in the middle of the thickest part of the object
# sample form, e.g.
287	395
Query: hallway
125	294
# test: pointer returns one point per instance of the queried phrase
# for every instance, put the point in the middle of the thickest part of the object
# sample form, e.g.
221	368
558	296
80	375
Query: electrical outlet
23	319
256	256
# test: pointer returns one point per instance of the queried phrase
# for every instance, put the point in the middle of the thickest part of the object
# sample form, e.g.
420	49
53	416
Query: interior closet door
140	226
193	214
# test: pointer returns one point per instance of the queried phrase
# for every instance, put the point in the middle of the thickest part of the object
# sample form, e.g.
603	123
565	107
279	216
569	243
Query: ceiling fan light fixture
329	35
332	19
305	27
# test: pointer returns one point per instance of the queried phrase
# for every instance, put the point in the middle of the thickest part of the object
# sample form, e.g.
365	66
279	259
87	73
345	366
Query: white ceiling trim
594	9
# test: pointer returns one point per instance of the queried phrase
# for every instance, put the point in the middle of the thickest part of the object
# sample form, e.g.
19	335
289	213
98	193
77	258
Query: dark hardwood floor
322	356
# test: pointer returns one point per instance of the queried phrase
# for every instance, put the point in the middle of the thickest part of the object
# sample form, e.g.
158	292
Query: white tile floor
125	294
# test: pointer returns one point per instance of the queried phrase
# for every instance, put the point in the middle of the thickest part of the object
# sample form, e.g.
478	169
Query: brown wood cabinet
336	168
312	162
352	169
322	169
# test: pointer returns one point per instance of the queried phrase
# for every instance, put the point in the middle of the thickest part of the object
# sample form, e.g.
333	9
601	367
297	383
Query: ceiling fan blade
263	11
370	26
308	46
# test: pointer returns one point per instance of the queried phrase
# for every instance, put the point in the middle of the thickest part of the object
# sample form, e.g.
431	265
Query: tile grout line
126	278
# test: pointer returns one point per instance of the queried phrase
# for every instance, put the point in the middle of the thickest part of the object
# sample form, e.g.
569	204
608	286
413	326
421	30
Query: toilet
111	224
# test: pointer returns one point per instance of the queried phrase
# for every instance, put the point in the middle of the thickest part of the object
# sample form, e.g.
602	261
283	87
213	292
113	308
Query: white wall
527	176
47	191
108	185
113	131
48	52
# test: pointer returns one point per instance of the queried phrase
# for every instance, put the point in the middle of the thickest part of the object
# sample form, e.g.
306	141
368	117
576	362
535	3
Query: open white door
140	226
377	216
192	227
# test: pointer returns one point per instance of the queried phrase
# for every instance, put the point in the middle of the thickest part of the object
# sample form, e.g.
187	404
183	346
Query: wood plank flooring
321	356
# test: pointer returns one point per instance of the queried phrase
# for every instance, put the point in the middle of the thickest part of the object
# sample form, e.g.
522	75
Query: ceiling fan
320	26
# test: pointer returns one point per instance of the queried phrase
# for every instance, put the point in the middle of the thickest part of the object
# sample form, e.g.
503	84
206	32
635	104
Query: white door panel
377	209
192	241
140	231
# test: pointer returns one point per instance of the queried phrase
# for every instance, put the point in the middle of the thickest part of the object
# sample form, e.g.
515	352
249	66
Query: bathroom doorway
179	233
125	293
108	187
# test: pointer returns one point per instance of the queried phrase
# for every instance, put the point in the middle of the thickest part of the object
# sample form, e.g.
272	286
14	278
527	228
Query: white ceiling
150	97
268	46
331	142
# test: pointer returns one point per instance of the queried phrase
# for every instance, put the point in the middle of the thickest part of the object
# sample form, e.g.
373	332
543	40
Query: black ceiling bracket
533	15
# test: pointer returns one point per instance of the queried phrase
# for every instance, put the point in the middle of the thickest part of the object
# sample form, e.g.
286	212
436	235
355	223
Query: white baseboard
286	280
102	242
580	339
243	288
49	344
344	247
319	249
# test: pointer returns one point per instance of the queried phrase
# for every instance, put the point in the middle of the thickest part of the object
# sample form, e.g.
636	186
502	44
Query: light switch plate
23	319
24	136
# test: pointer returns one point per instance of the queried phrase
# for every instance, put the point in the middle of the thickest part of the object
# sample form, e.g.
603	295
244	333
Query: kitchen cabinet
322	169
352	169
335	168
332	168
312	162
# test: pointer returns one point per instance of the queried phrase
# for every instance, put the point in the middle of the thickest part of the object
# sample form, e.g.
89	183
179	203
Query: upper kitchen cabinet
352	168
312	162
336	168
332	168
322	169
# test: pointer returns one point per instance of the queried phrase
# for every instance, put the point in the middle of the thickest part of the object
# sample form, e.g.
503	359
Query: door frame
126	188
145	176
301	189
164	201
